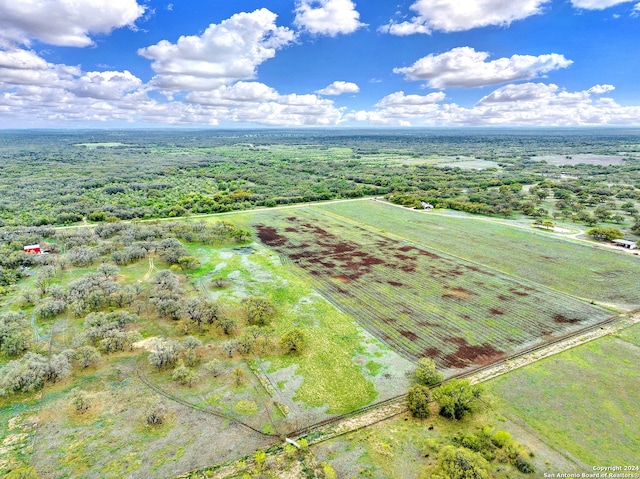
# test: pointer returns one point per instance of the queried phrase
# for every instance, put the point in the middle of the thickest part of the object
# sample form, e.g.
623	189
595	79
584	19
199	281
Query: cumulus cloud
528	104
400	99
210	68
110	85
457	15
255	102
400	109
224	53
242	93
597	4
64	22
327	17
338	88
465	67
24	67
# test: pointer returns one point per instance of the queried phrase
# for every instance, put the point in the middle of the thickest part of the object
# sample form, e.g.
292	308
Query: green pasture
584	400
570	267
330	376
404	447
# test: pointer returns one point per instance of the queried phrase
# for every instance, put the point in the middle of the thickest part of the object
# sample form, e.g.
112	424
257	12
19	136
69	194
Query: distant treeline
62	178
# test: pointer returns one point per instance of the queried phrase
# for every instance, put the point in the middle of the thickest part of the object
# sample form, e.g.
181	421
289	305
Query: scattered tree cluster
15	333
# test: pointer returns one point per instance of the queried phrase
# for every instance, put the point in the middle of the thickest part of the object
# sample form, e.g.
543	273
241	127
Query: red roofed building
33	248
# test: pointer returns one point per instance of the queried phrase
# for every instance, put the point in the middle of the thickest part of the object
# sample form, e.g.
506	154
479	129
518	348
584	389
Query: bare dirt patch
467	354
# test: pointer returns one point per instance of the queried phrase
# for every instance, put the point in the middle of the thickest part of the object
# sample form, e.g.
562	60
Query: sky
318	63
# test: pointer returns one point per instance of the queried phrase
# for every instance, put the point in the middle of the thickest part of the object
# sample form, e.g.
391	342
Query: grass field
584	401
568	267
419	301
404	447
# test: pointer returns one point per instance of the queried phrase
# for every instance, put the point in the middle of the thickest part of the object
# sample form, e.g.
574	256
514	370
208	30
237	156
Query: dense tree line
210	172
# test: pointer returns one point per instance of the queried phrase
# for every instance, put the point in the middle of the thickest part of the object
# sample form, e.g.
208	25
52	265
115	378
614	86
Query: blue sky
244	63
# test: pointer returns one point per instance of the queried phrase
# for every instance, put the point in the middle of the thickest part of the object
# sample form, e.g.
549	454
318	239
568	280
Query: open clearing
599	381
422	302
587	159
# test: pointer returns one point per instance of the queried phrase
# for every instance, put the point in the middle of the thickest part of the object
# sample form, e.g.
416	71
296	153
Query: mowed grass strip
570	267
598	381
421	302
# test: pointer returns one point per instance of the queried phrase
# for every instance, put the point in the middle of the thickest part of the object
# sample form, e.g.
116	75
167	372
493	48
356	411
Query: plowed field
419	301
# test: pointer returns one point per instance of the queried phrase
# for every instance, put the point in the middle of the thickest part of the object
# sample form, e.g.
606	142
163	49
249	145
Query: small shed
625	243
33	249
427	206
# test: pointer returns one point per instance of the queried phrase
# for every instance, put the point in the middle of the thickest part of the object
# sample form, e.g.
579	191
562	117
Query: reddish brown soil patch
403	257
502	297
341	279
289	229
428	324
340	247
467	354
410	335
270	236
478	270
559	318
430	353
389	320
467	317
421	252
496	312
460	293
518	293
395	283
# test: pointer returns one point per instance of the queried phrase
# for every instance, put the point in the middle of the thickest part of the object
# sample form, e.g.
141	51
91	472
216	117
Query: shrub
80	400
31	372
426	373
182	374
418	399
164	353
155	413
501	438
87	356
293	341
258	310
460	463
213	367
524	466
457	398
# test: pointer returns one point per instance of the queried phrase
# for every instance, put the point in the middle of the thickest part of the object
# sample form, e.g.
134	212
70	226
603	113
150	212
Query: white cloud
242	93
399	109
20	67
528	104
254	102
465	67
399	99
327	17
224	53
338	88
64	22
460	15
597	4
108	85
